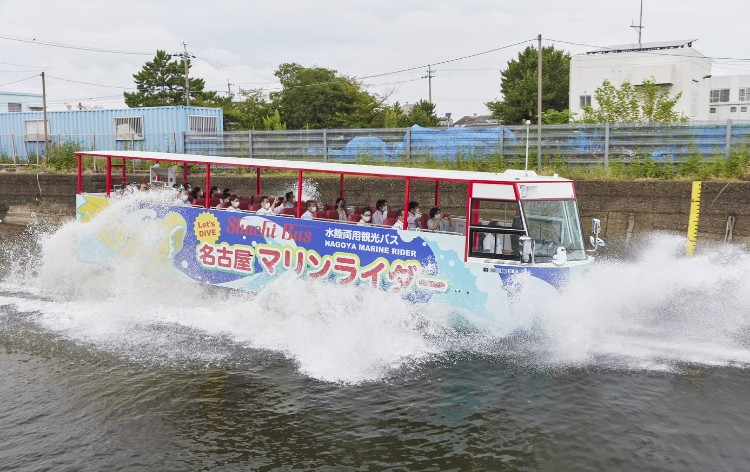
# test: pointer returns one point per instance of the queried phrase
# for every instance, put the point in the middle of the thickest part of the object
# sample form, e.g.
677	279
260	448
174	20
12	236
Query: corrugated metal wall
163	128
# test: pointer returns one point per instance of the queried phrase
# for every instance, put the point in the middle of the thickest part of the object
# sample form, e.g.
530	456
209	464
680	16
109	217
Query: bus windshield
554	223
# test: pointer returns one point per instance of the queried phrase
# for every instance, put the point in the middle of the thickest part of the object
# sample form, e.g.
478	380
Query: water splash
657	312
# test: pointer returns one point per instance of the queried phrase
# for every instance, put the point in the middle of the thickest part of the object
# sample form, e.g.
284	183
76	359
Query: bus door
495	222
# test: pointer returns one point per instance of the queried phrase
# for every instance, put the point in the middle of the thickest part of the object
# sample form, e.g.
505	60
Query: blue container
162	129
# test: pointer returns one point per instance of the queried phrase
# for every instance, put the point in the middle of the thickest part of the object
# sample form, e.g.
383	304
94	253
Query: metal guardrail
574	143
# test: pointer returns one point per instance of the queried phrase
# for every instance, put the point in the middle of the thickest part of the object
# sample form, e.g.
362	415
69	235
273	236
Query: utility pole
187	77
229	90
44	117
429	77
639	26
539	106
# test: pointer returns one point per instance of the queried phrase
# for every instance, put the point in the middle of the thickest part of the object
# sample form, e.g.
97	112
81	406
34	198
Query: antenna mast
639	26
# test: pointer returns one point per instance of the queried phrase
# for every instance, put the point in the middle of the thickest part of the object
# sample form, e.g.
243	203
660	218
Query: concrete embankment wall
627	209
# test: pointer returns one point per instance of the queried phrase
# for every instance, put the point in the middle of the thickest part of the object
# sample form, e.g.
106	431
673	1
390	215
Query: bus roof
333	168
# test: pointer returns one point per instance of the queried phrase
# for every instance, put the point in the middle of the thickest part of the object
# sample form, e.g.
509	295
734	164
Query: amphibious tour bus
516	229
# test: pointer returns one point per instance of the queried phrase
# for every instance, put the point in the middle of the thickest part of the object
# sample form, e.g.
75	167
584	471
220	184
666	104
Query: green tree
519	85
392	116
422	114
645	103
273	122
161	82
249	113
554	117
316	97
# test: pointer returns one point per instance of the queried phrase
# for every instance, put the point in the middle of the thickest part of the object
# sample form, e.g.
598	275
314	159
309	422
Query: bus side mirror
596	228
527	249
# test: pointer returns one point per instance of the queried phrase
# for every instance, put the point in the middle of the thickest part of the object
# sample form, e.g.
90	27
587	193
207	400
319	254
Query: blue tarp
436	143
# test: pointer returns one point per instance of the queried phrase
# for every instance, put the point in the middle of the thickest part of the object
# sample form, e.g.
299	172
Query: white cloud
355	38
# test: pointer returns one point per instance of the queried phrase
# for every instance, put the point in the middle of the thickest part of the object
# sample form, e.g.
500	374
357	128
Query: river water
641	365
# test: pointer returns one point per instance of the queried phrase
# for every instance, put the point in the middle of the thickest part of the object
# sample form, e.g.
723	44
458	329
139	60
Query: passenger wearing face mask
341	208
366	217
234	203
311	208
265	206
197	193
399	224
381	212
439	221
223	202
286	202
414	215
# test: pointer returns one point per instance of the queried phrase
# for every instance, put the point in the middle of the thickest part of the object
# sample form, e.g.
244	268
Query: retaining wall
626	208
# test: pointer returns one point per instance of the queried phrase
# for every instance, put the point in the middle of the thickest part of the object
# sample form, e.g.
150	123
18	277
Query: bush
62	157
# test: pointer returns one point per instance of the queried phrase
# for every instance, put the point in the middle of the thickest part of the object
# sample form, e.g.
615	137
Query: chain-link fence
574	143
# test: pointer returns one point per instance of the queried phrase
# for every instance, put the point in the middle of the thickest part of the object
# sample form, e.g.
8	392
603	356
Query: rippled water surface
642	365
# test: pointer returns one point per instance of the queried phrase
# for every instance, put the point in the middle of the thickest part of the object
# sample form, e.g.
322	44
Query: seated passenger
341	208
197	193
214	192
223	202
414	216
439	221
234	203
281	203
497	243
365	217
400	223
265	206
381	212
311	208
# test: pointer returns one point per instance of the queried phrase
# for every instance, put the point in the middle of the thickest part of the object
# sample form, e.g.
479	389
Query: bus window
495	228
554	223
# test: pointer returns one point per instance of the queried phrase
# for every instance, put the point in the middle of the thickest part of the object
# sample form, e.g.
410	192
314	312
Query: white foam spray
657	312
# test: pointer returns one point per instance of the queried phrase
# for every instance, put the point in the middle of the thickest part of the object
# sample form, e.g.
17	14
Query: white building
674	65
729	97
20	102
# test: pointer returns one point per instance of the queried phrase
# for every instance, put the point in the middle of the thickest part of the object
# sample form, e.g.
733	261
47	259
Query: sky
242	42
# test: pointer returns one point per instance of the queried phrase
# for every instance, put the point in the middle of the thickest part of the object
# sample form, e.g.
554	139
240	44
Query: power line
393	83
89	83
235	69
72	46
89	99
409	69
22	65
656	53
20	80
448	60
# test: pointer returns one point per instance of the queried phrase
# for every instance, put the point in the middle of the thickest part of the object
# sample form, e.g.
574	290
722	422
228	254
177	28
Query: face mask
201	193
235	204
184	198
342	205
437	215
266	205
366	218
313	209
385	208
